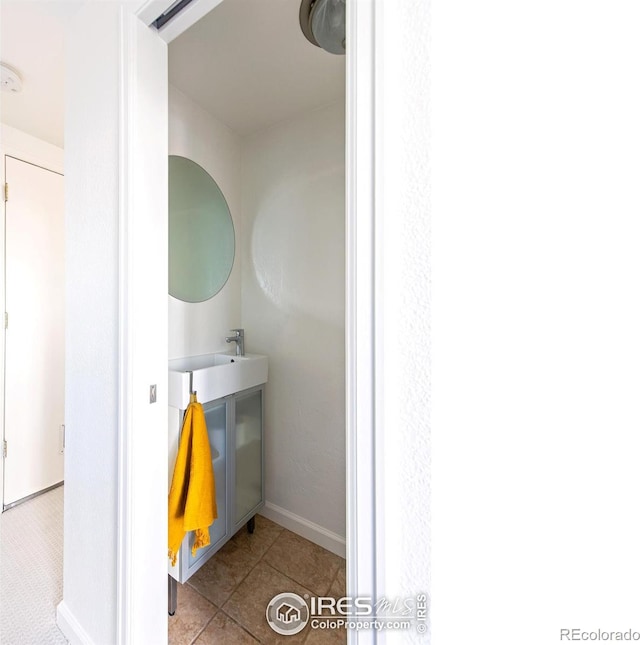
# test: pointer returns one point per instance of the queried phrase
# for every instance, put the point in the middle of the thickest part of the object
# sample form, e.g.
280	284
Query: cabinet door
216	417
248	453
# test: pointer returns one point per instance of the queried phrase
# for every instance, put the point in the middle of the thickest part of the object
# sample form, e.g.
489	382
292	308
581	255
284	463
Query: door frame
22	146
363	340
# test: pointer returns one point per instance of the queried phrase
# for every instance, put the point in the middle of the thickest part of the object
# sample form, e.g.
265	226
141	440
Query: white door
34	337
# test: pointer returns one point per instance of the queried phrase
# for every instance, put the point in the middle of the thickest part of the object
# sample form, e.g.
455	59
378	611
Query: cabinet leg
251	524
173	595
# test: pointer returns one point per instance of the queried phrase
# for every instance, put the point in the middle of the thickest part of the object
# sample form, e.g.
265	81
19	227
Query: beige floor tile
249	602
218	578
330	636
192	614
224	631
303	561
339	585
261	539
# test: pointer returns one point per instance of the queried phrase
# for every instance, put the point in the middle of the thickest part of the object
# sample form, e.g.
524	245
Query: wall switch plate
152	394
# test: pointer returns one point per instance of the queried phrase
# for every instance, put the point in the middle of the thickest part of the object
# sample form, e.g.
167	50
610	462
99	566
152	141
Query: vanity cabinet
236	436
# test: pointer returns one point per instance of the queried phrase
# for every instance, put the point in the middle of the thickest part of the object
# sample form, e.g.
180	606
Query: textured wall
293	307
536	319
91	392
200	328
404	248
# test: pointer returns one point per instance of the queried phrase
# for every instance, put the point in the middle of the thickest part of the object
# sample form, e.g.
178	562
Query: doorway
34	330
278	156
32	384
127	51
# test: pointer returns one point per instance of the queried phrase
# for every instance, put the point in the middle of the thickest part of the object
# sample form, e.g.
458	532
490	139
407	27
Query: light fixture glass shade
328	24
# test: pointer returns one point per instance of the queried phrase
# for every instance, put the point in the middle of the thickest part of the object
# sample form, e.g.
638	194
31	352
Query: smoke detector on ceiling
10	80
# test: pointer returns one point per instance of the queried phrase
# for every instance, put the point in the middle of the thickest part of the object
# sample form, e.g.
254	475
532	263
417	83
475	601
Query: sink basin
214	376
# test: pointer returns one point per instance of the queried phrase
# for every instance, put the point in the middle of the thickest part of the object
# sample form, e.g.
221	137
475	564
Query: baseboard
48	489
309	530
70	627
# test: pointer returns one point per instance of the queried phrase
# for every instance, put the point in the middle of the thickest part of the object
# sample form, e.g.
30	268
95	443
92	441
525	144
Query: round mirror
201	236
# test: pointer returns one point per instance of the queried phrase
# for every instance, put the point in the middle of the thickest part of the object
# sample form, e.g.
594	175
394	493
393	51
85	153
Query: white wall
92	202
402	321
287	290
536	318
293	222
115	510
200	328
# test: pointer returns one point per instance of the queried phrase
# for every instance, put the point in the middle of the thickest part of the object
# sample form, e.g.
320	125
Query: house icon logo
287	614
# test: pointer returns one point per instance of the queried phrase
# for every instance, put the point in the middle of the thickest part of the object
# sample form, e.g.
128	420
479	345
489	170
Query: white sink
214	376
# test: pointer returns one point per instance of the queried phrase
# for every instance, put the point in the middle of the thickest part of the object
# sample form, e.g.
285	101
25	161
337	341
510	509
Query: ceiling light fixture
323	22
10	79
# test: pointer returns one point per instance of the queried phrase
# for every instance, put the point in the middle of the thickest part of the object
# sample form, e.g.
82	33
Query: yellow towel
192	497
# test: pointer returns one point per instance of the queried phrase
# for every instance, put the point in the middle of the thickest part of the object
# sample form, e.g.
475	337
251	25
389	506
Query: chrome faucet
238	339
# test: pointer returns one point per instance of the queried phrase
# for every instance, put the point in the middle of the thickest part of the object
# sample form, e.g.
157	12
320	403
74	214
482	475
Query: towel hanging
192	496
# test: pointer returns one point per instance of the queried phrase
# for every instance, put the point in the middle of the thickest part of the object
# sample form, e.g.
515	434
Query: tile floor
222	603
31	571
225	601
